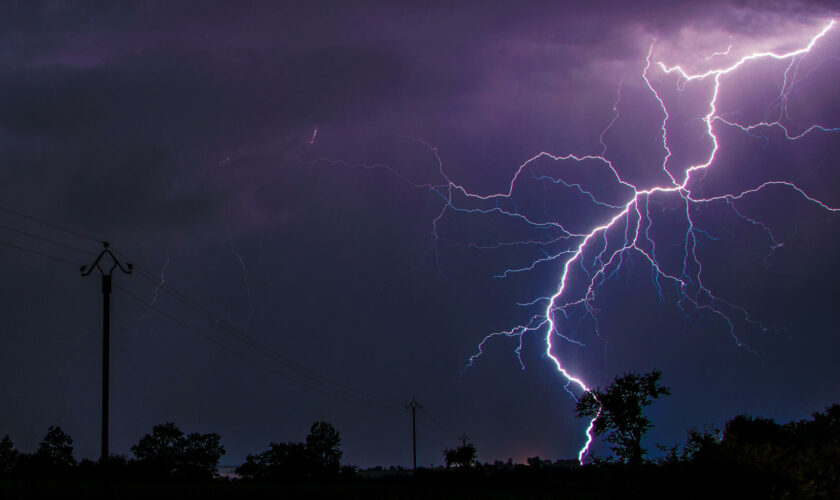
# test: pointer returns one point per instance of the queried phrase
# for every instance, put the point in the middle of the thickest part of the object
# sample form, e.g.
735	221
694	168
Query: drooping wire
47	240
254	344
445	430
49	224
307	384
40	254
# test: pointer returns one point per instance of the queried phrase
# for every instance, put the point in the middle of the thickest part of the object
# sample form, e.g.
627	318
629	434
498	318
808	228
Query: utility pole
413	405
464	438
105	271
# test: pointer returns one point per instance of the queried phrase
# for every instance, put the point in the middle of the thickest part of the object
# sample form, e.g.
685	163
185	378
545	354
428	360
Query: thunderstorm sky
318	177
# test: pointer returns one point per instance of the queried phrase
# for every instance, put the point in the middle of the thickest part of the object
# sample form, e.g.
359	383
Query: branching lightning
591	256
637	218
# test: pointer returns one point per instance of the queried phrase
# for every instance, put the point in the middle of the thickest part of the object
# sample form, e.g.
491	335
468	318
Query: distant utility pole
105	269
413	405
464	438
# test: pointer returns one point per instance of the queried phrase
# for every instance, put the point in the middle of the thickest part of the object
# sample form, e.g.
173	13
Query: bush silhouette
463	456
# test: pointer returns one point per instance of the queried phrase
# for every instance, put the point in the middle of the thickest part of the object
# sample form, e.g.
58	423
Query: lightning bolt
228	316
155	294
637	221
591	256
716	54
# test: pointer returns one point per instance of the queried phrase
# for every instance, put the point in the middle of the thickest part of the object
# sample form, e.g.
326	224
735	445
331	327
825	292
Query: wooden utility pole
105	270
413	405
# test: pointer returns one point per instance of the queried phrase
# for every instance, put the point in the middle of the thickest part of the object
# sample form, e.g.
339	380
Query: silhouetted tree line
166	453
799	459
317	459
54	457
750	457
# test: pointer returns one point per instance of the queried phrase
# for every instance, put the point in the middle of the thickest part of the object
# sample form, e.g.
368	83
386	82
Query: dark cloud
180	132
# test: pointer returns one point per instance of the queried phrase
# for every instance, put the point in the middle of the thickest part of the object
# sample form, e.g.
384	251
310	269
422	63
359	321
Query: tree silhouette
319	458
201	454
463	456
56	450
160	449
167	451
700	444
617	411
281	462
8	456
322	446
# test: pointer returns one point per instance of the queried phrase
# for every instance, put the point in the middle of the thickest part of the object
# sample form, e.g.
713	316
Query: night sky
303	172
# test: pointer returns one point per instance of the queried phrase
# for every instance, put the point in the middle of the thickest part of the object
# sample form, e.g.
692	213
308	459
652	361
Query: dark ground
592	482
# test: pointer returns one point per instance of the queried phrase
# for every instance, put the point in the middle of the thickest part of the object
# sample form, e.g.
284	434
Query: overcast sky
292	169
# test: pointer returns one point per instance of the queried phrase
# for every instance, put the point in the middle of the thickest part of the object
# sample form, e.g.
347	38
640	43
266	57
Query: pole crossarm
464	438
115	263
413	405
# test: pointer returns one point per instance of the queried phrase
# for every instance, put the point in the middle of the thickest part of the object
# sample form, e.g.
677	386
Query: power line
49	224
35	252
48	240
267	351
242	356
440	426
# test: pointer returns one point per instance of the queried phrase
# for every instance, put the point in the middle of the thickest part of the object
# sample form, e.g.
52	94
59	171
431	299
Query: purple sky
180	132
